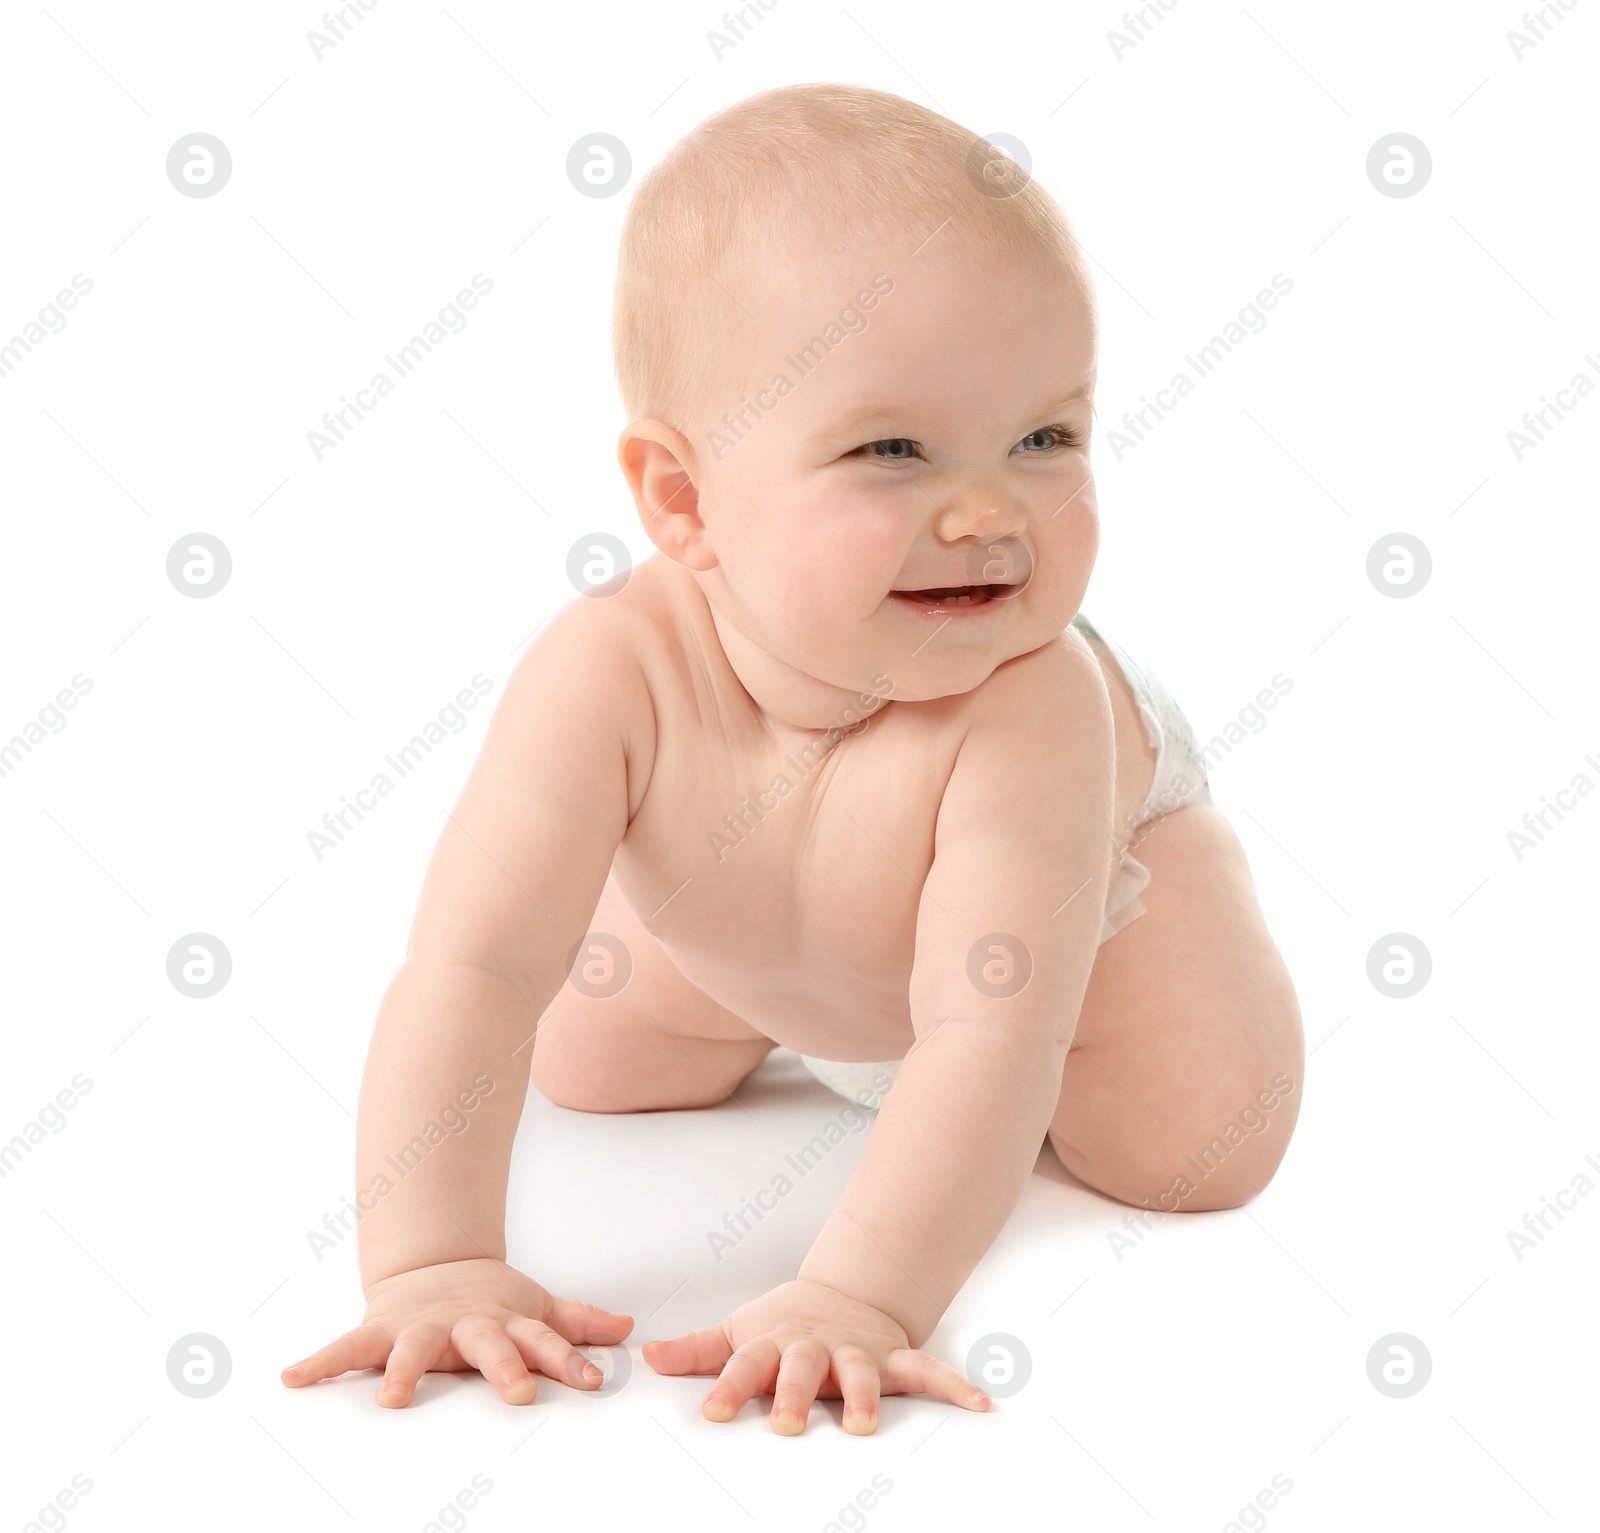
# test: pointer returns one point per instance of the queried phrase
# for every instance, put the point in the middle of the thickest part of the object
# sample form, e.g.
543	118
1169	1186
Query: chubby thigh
1184	1081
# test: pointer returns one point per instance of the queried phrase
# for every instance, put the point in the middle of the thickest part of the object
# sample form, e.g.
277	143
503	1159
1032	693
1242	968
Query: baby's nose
980	514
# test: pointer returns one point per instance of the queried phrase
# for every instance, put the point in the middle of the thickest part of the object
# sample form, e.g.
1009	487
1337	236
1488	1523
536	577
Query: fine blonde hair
708	228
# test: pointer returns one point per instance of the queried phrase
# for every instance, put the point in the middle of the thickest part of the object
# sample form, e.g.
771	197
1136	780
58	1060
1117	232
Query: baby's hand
805	1341
458	1316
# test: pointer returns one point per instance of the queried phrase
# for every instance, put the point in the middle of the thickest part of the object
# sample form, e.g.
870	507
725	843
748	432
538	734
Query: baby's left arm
1007	930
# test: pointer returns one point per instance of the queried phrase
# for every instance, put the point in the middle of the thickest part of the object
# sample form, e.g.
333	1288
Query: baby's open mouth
959	596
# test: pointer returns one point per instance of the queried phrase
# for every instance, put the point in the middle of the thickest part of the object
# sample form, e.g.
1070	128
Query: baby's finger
552	1354
857	1377
748	1373
588	1324
365	1347
704	1351
416	1349
912	1372
488	1348
801	1370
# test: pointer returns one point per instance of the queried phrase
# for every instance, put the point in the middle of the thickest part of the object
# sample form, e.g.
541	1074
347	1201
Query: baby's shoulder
614	629
621	657
592	658
592	682
1037	733
1040	723
1060	681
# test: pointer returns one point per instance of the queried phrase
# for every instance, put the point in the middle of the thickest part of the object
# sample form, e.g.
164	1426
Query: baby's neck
790	702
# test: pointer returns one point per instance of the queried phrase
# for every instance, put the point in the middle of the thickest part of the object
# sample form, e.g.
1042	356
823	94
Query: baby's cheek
1076	514
1068	536
854	557
1061	579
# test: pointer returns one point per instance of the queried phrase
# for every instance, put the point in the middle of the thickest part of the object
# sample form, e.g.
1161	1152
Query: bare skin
924	770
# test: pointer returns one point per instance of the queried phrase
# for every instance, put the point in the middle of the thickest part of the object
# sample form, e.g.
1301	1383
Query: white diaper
1179	781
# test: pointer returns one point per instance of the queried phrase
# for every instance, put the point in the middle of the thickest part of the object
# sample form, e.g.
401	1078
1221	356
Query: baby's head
857	347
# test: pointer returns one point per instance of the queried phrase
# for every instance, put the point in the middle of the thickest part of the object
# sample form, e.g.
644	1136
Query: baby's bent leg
658	1043
1189	1028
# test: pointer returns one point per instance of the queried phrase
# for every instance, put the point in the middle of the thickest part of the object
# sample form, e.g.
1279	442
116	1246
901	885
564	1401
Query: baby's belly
841	991
812	950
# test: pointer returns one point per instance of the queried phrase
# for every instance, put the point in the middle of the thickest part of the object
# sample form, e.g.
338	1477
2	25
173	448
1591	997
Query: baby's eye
1047	437
894	449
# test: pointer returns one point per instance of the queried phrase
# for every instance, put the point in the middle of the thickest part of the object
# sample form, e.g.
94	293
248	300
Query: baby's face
912	497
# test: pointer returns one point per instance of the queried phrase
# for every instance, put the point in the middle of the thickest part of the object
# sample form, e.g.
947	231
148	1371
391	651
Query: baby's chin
928	675
897	651
954	672
950	676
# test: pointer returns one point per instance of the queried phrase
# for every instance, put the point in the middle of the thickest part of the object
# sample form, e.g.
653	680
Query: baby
843	768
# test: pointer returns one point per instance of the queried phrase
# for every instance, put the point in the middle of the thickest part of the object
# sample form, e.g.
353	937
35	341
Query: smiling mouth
945	597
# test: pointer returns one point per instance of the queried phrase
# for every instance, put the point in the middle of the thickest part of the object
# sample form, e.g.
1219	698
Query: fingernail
291	1373
787	1423
581	1371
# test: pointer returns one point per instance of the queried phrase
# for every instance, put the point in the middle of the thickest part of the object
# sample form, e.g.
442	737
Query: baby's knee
607	1080
1171	1171
1225	1173
576	1090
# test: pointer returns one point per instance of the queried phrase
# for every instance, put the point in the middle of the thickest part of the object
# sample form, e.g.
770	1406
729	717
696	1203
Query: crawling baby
845	768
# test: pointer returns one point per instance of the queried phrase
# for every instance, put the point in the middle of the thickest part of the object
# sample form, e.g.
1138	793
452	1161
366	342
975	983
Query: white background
1170	1381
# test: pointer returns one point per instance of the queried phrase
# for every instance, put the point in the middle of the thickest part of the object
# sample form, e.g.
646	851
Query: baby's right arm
512	884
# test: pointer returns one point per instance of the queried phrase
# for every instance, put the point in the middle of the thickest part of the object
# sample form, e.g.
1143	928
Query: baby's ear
658	463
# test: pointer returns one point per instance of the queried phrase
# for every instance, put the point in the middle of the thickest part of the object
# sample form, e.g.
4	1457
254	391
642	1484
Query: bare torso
770	878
